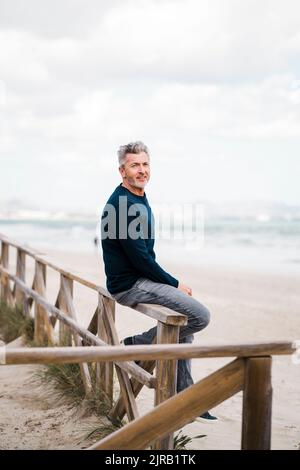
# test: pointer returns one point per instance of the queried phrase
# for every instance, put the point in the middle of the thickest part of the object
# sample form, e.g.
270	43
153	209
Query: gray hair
133	147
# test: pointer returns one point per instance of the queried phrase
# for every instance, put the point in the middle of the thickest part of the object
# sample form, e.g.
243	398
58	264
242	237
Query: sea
237	242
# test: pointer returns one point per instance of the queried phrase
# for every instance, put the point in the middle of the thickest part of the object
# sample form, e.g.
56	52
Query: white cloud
181	75
188	40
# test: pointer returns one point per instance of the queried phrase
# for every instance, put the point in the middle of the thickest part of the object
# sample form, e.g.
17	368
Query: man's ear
122	171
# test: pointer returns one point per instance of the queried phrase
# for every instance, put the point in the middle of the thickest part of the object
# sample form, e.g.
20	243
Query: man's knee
206	317
202	318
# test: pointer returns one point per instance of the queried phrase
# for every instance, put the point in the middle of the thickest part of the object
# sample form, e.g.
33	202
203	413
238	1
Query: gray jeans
148	292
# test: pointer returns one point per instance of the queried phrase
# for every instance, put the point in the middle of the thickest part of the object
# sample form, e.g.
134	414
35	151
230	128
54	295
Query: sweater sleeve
144	263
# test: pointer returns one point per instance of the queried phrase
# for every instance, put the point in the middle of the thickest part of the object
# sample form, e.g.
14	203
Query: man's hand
187	290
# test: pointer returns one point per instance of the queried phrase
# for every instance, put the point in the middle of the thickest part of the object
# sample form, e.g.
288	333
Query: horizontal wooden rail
250	371
44	259
143	352
29	251
157	312
131	368
178	410
162	314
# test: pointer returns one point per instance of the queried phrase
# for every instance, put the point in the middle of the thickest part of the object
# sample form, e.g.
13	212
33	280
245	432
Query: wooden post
43	331
64	332
119	409
104	370
177	411
20	273
124	381
166	375
38	314
257	404
67	295
4	279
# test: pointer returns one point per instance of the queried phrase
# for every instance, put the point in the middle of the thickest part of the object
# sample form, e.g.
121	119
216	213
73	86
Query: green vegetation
102	430
13	324
65	380
181	440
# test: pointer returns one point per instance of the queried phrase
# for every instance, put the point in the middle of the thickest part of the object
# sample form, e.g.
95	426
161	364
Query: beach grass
181	440
13	323
65	381
104	429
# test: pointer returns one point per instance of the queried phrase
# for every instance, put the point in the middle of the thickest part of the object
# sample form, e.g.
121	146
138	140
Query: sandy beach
245	305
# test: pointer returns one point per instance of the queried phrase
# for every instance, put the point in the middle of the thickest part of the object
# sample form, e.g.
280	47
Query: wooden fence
249	372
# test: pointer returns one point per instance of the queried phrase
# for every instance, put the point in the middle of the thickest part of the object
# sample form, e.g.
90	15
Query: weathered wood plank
143	352
30	299
20	273
104	370
4	280
93	325
257	404
166	376
28	251
125	384
43	330
72	276
67	291
44	259
39	333
157	312
111	311
178	410
119	410
103	353
162	314
101	382
64	331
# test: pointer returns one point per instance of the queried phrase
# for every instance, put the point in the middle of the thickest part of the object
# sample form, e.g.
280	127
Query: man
133	275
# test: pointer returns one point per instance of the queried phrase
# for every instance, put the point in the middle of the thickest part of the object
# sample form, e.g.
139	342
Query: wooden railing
101	330
250	372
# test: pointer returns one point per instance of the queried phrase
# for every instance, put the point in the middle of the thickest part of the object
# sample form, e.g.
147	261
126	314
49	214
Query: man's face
136	169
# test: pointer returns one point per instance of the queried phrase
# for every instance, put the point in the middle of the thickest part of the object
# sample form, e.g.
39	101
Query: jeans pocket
123	298
119	295
140	282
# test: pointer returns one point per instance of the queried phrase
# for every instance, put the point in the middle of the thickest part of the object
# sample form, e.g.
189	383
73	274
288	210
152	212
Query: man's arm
137	252
186	289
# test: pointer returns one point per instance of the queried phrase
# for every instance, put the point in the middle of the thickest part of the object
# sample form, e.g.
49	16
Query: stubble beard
137	184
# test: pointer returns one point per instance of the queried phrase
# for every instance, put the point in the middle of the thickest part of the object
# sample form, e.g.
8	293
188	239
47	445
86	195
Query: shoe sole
205	421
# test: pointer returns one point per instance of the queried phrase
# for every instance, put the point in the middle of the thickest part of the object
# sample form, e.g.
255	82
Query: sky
211	86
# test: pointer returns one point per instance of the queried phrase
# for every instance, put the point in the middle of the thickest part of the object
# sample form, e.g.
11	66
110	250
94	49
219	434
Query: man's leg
146	291
184	369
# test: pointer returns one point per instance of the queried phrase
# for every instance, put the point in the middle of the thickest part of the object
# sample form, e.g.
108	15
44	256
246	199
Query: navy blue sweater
128	258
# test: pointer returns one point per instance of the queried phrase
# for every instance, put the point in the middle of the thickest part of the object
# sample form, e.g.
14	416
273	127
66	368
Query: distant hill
258	210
